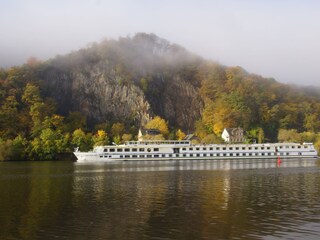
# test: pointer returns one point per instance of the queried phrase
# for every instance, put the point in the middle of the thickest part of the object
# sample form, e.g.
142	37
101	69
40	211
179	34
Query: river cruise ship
184	150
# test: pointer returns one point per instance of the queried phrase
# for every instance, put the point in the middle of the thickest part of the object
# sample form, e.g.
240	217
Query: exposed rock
104	82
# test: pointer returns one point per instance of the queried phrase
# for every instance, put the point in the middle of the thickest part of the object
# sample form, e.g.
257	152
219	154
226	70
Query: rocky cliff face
130	80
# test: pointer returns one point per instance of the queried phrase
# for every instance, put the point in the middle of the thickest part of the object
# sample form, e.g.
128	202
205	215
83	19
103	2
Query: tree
18	149
159	124
4	146
82	140
31	94
180	135
144	84
100	138
126	137
260	135
311	122
8	117
290	135
201	130
48	145
117	129
219	115
75	120
212	139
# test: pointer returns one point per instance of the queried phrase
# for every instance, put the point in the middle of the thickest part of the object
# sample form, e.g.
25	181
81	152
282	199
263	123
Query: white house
233	135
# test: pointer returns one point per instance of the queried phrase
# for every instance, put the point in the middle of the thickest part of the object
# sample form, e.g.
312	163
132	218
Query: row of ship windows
157	142
243	148
199	155
130	150
197	149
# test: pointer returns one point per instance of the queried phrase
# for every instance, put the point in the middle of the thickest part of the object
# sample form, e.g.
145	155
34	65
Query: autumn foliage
31	127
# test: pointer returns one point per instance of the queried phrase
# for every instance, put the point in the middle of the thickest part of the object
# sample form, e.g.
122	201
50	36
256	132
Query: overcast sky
273	38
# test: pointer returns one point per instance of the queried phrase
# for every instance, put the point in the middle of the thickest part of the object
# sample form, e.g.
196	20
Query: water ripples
161	200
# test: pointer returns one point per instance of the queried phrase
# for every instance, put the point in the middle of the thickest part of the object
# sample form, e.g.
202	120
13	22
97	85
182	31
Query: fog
275	38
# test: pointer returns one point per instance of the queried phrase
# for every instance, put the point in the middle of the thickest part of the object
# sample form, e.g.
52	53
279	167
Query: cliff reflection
171	200
185	200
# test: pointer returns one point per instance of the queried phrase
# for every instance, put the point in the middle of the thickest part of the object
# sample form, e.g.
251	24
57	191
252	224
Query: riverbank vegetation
33	126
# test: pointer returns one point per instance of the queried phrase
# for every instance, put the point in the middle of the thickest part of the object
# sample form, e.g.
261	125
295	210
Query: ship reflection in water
174	165
200	199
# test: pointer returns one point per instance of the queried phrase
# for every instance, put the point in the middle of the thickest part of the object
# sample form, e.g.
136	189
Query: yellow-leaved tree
100	138
159	124
180	135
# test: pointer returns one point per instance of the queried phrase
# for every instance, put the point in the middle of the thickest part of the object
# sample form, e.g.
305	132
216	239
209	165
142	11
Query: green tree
82	140
31	94
8	117
18	151
48	145
75	120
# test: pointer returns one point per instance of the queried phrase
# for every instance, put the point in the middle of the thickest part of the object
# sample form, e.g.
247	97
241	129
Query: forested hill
133	79
130	80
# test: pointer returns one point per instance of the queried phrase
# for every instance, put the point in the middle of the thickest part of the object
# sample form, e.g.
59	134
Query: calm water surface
243	199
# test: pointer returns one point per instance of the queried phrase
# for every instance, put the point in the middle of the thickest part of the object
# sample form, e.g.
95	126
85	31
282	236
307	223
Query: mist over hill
133	79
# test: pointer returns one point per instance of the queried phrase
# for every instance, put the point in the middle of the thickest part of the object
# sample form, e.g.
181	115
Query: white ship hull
184	150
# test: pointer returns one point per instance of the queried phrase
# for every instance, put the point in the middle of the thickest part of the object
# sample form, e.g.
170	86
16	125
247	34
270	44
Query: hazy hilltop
132	79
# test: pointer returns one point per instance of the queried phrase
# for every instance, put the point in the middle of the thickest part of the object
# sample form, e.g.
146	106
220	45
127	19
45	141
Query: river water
238	199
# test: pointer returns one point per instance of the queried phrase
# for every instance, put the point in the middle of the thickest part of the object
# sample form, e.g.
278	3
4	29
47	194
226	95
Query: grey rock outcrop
104	82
